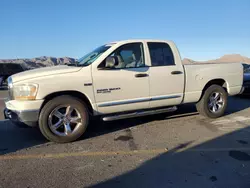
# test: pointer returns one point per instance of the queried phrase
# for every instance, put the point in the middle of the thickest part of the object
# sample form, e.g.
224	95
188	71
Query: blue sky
202	29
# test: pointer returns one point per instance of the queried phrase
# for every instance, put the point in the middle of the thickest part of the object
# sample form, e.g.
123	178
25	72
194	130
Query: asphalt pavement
181	149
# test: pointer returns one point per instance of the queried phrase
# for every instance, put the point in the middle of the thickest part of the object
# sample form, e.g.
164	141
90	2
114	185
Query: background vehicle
246	68
8	69
246	84
118	80
246	79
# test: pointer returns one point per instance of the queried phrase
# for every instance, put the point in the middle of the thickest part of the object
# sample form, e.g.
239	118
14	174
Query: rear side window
160	54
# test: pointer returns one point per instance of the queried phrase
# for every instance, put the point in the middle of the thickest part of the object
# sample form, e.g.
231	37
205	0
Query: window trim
143	55
160	65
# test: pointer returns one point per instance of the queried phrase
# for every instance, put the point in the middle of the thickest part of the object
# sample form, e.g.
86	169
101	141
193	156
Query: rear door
166	76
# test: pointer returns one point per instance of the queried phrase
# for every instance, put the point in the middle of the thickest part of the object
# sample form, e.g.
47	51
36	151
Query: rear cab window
160	54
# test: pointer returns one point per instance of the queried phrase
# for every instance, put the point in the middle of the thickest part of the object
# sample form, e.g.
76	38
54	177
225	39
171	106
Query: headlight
25	91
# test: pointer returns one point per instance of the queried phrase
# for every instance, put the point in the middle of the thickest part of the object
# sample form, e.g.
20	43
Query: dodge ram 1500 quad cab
118	80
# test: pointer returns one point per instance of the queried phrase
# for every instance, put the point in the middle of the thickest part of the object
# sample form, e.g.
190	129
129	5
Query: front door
126	86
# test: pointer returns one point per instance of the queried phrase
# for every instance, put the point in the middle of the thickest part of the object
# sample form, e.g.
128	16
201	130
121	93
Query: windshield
92	56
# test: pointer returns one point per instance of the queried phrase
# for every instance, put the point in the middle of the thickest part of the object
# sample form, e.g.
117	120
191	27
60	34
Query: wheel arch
72	93
221	82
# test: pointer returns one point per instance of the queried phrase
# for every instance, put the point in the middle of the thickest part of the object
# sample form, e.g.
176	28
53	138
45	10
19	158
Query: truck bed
197	75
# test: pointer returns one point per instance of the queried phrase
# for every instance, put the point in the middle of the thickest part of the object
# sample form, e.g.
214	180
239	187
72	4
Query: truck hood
40	72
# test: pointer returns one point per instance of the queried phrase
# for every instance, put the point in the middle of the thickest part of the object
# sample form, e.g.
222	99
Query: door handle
176	72
140	75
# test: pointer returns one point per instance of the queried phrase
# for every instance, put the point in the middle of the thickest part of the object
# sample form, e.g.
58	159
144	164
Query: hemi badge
88	84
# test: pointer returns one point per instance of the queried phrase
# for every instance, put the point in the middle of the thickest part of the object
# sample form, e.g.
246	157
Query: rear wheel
213	102
63	119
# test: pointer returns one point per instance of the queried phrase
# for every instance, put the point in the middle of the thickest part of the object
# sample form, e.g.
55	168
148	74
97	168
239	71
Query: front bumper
27	117
23	112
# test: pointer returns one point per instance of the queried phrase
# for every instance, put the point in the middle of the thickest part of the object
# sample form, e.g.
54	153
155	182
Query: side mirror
111	62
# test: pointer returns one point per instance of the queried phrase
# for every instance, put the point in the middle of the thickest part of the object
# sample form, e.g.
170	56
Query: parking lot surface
181	149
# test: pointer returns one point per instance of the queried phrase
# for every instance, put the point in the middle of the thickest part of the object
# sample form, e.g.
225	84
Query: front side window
160	54
129	56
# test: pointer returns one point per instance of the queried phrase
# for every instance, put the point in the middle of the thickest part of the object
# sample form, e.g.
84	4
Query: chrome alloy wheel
64	120
215	102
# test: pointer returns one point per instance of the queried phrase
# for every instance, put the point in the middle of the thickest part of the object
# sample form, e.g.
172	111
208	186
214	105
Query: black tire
54	103
203	105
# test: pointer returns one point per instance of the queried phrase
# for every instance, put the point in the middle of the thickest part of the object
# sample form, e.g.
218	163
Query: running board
138	114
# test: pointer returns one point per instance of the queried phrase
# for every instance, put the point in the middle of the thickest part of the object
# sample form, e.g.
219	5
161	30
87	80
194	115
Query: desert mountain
230	58
43	61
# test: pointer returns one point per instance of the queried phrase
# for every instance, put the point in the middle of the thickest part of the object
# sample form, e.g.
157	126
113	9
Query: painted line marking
81	154
112	153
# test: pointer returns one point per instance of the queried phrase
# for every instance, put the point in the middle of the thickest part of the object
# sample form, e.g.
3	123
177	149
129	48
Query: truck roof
139	40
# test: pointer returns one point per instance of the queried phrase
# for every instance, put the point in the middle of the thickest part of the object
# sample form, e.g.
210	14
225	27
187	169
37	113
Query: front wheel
63	119
213	102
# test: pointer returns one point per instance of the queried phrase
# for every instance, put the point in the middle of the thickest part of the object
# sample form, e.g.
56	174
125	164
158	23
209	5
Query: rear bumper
28	117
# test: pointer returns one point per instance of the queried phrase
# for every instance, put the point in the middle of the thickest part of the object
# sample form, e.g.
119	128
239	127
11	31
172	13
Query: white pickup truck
115	81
